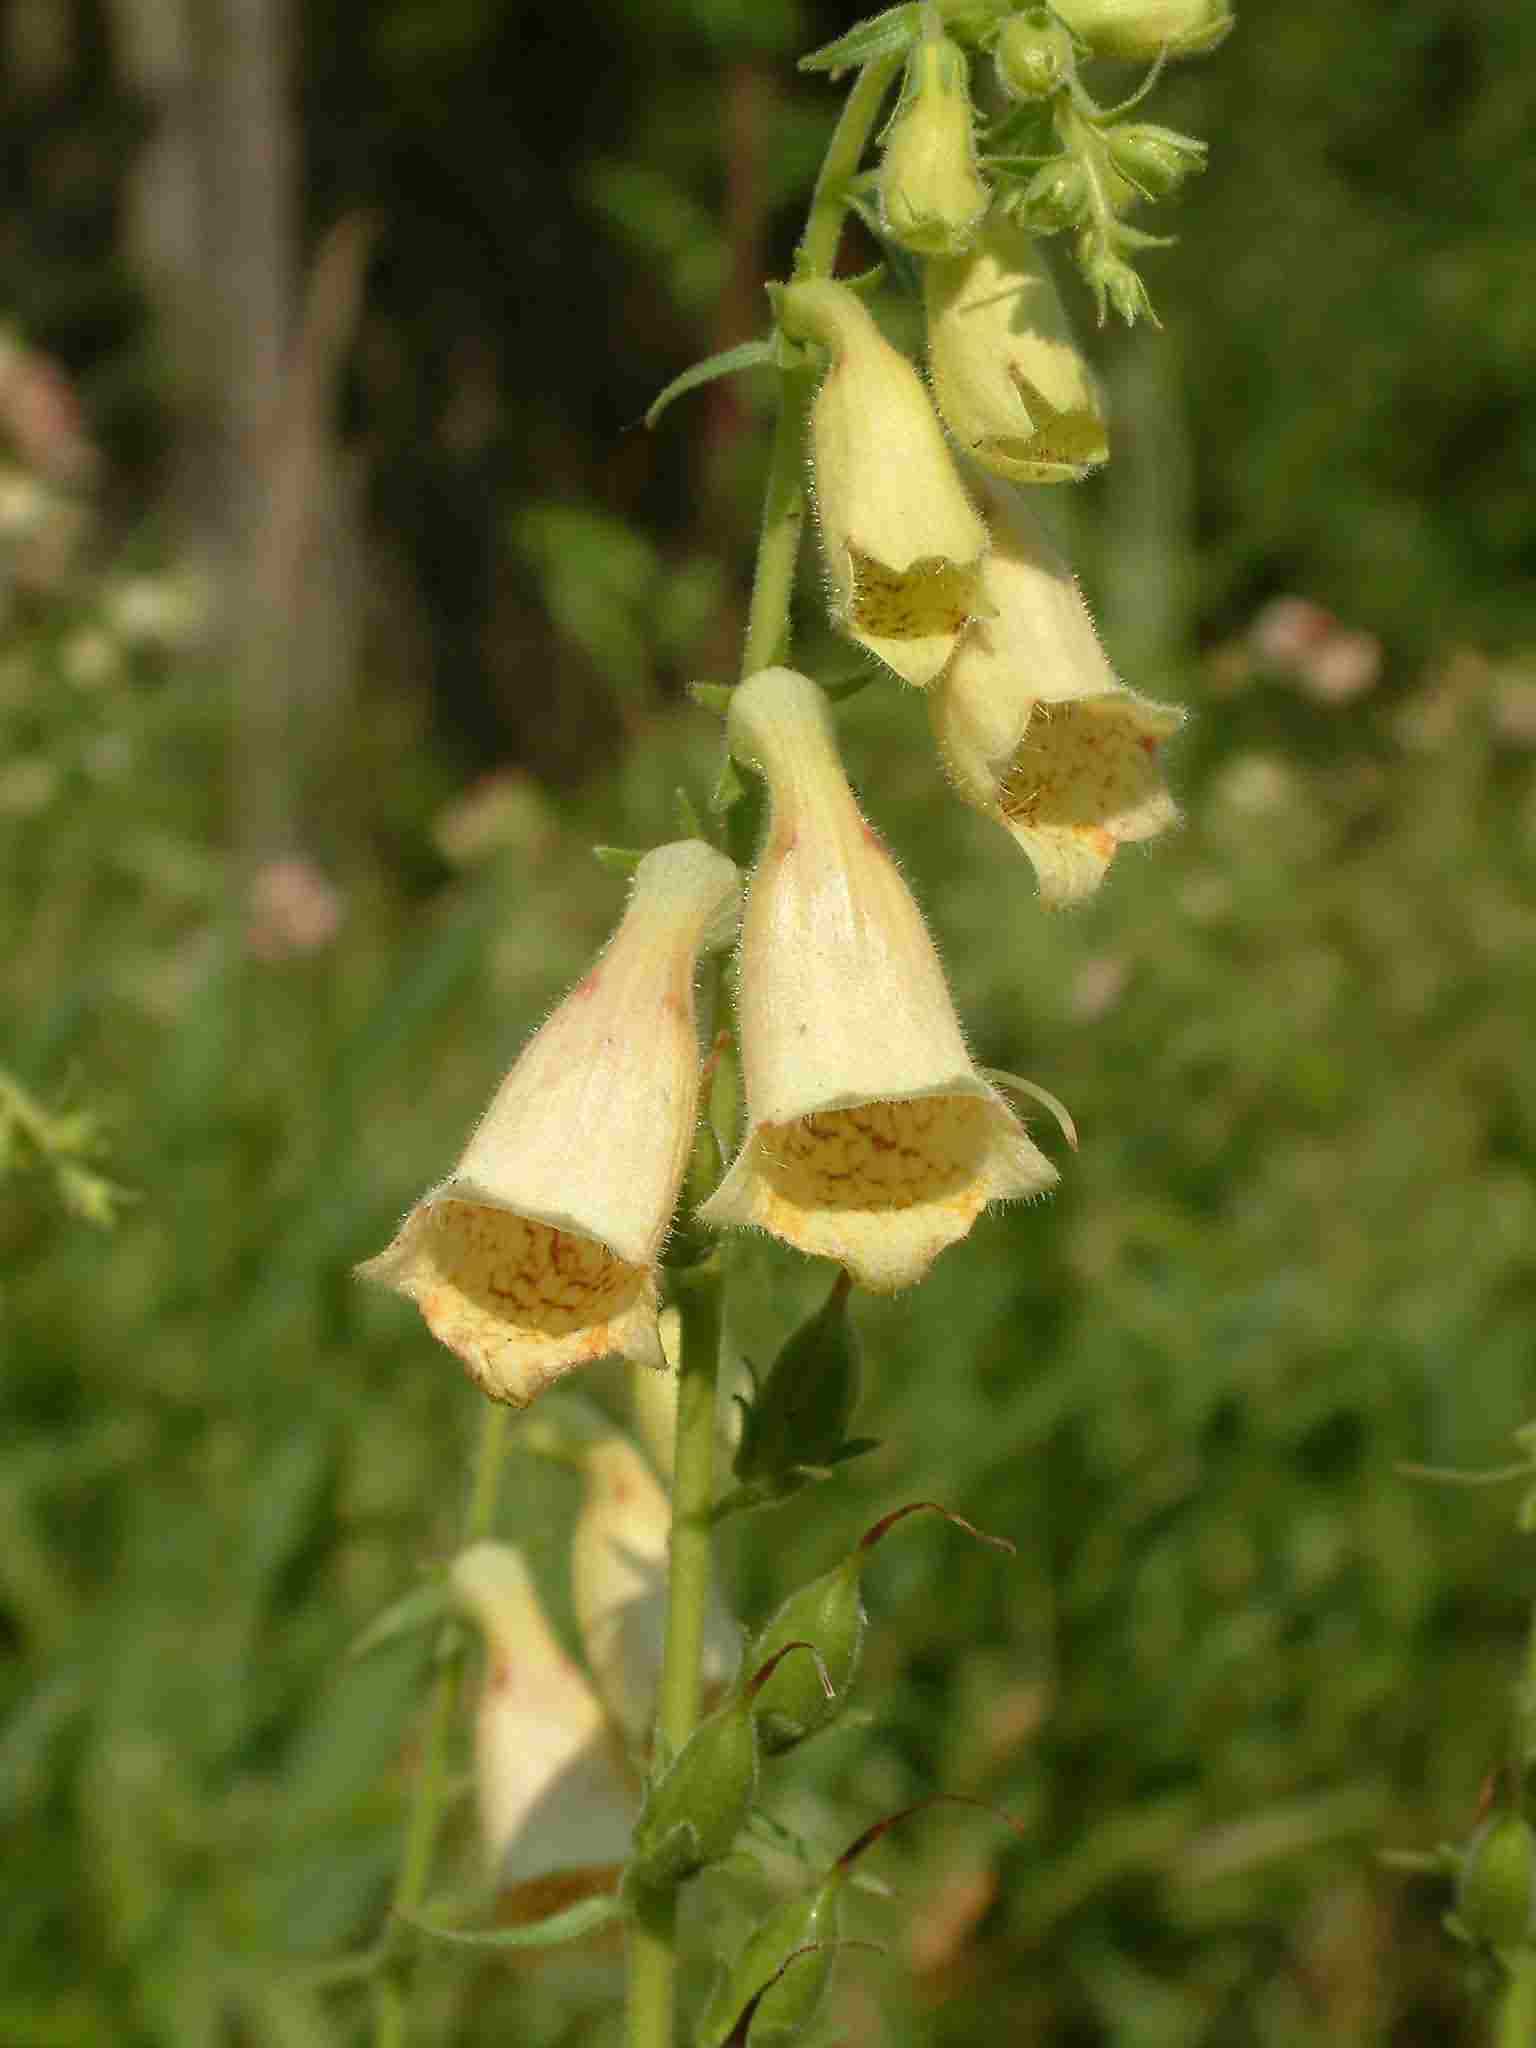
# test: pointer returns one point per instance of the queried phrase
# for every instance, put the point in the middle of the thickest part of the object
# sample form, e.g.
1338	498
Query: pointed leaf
619	860
747	355
423	1607
586	1917
883	35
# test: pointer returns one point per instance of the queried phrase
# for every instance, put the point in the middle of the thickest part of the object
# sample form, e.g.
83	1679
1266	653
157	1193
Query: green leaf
747	355
578	1920
619	860
423	1607
689	824
883	35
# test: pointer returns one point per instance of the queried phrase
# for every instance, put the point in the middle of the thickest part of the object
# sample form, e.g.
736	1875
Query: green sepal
714	697
799	1416
747	355
890	34
769	1493
787	2003
586	1917
730	786
619	860
422	1608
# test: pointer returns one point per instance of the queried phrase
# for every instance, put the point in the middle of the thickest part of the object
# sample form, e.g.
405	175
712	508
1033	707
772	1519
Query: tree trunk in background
257	492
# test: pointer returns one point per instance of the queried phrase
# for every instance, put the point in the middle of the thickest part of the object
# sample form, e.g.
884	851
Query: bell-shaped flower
555	1795
619	1587
1147	29
871	1137
1034	727
902	541
931	194
538	1253
1014	389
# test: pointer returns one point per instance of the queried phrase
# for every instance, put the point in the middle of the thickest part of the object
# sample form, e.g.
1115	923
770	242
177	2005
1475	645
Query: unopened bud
1112	280
694	1808
1055	197
803	1408
828	1612
1155	160
1148	28
1496	1891
1034	55
931	193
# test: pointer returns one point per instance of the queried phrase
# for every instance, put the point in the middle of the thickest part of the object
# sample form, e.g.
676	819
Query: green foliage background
1239	1652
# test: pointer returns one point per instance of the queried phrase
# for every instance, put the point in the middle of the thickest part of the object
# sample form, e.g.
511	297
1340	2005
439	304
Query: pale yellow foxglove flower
931	193
619	1587
902	541
538	1253
1035	728
871	1137
1014	389
1147	28
555	1797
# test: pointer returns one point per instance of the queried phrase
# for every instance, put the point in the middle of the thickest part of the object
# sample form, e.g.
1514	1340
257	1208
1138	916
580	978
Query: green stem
389	2010
778	544
700	1301
1515	2026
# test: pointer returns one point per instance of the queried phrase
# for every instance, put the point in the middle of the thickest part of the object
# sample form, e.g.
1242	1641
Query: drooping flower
555	1796
871	1137
1148	29
619	1587
902	541
538	1253
931	193
1014	389
1033	725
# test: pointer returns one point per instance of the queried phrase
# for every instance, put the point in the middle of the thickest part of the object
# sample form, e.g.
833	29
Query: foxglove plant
869	1138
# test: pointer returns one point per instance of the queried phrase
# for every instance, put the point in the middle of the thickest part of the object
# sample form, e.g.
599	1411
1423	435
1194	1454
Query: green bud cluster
1496	1884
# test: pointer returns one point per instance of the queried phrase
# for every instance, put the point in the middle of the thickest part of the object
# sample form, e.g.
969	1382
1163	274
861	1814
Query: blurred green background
351	311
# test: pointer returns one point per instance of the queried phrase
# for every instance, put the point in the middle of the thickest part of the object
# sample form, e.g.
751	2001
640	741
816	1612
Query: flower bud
871	1138
901	539
1111	279
1055	197
931	194
694	1808
801	1412
785	2008
829	1614
1145	29
1155	160
1034	727
1034	55
554	1798
1013	388
538	1253
1496	1889
619	1587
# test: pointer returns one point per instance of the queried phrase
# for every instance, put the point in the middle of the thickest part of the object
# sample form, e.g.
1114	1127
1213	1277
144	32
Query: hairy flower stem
700	1291
778	545
1515	2026
389	2004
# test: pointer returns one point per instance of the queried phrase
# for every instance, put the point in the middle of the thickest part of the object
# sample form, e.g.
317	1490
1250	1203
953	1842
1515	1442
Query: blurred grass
1238	1653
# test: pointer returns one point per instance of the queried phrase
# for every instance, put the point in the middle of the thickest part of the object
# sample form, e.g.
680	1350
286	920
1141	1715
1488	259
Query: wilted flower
556	1799
871	1137
619	1587
1033	725
902	541
931	193
1146	28
1011	383
537	1254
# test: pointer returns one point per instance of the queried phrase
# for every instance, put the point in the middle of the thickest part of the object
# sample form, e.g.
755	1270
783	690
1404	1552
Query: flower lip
538	1253
872	1139
1034	727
